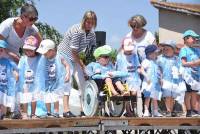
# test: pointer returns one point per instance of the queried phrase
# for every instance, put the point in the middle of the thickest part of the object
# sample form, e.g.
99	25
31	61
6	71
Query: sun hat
170	43
45	46
3	44
30	43
190	33
103	50
128	44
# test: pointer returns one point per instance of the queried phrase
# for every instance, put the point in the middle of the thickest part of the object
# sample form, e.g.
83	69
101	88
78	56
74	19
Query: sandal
125	93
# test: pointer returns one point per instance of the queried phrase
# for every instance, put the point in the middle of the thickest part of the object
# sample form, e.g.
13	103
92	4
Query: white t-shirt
141	43
14	41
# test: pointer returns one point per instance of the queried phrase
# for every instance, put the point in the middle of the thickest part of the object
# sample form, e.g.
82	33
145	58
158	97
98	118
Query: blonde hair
89	15
137	21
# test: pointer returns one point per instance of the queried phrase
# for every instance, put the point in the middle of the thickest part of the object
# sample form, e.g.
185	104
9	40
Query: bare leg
187	101
194	101
66	103
33	107
56	107
108	81
48	106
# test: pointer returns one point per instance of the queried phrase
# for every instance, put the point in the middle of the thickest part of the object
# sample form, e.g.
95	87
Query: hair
137	21
29	9
89	15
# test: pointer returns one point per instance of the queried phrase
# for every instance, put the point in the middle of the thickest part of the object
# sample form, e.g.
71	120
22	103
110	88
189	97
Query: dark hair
29	9
137	21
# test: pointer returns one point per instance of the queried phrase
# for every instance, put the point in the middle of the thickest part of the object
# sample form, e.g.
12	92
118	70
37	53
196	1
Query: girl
27	69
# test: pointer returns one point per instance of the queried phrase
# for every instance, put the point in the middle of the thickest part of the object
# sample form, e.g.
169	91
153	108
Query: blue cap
190	33
3	44
150	49
170	43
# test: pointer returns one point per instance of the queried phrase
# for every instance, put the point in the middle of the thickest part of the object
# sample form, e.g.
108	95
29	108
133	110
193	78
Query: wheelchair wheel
89	100
116	108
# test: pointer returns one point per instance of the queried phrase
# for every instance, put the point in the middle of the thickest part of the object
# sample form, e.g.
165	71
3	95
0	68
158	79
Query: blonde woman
76	39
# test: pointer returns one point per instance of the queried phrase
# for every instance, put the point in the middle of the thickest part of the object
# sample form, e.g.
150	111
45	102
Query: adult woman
15	30
76	39
140	36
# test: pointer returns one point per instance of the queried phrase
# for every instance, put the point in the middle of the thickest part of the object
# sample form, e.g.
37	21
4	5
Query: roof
179	7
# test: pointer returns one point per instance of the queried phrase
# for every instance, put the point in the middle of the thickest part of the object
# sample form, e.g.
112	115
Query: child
53	75
128	61
170	75
8	78
191	74
103	71
151	83
27	69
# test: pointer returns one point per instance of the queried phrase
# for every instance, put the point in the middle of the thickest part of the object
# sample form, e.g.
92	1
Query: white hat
128	44
45	46
30	43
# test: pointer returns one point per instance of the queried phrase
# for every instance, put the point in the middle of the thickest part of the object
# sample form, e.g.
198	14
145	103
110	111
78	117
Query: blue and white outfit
191	75
152	89
27	71
7	83
172	85
50	79
129	64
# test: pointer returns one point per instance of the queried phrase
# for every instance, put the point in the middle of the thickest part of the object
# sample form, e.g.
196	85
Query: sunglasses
31	18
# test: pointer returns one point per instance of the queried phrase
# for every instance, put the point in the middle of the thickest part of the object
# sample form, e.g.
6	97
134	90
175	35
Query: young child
128	61
191	74
8	77
27	70
53	75
151	84
170	75
103	71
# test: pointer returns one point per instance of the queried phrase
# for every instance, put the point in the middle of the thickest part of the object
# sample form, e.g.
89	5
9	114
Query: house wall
172	24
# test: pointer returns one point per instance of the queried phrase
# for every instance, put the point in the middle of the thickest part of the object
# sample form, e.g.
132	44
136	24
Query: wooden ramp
100	124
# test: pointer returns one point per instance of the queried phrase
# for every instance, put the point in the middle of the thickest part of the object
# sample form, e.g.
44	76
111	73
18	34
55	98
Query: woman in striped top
77	39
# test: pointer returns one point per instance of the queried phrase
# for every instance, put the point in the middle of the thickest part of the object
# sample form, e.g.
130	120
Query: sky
112	15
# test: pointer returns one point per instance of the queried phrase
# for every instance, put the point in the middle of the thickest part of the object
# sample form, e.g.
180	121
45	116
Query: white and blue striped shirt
76	38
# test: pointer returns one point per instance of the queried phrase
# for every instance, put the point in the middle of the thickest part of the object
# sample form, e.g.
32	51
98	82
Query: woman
140	36
15	30
76	39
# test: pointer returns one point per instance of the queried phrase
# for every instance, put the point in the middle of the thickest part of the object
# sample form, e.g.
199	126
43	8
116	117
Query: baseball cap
150	49
190	33
128	44
3	44
170	43
30	43
45	46
103	50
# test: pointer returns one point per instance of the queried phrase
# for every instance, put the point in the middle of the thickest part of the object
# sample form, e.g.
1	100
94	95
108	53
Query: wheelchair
100	102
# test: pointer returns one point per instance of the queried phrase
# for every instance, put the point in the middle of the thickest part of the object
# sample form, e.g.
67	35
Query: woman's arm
191	63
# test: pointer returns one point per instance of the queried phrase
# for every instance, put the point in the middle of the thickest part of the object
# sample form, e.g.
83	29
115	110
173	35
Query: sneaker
168	114
16	115
174	114
52	115
157	114
82	114
146	113
195	113
68	114
189	113
25	116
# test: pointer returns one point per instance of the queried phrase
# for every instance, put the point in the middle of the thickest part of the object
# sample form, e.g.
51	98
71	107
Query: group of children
43	74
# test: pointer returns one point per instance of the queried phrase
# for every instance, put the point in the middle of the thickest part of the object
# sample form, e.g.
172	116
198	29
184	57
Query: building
175	18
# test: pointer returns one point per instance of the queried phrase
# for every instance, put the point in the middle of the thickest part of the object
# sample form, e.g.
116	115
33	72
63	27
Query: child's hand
110	74
16	75
67	77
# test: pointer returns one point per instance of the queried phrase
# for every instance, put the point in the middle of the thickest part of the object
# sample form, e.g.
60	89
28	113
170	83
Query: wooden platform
98	124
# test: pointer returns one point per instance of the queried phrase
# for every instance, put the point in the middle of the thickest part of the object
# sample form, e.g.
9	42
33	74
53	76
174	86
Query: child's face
2	51
168	51
50	54
29	53
104	60
189	40
153	55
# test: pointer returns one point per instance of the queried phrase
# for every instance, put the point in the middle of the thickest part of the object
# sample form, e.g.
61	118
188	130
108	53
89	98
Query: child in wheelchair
103	72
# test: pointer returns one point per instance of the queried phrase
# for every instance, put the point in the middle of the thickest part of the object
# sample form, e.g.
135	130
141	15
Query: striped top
76	38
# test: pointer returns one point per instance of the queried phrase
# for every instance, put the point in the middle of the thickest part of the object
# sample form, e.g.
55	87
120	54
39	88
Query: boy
53	75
